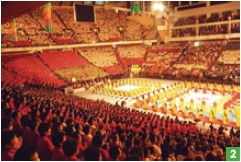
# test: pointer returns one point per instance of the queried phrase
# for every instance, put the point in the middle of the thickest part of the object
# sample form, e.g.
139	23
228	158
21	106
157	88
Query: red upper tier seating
23	43
9	78
35	72
114	70
63	59
65	41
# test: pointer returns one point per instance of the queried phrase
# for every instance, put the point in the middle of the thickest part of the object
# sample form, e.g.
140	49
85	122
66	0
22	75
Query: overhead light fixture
158	7
196	44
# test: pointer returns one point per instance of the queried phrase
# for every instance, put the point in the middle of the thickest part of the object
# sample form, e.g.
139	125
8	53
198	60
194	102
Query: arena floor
197	98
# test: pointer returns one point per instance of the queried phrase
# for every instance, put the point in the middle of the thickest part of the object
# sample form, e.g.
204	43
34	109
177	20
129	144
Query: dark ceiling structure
13	9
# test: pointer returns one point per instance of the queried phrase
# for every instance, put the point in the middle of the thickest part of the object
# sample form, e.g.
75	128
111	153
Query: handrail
205	24
206	37
205	2
52	47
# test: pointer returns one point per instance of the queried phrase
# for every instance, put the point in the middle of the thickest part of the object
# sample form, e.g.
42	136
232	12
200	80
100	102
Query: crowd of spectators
62	59
132	54
41	124
212	60
207	30
214	17
99	56
104	58
34	71
195	60
230	72
109	26
231	53
81	73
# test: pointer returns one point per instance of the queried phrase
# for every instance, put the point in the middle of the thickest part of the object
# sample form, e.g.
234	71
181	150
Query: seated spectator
199	158
92	154
7	124
26	154
44	144
211	156
138	151
32	134
10	144
183	153
70	148
132	158
58	140
114	153
98	142
88	136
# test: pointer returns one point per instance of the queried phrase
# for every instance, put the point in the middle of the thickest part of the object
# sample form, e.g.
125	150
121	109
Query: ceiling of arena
13	9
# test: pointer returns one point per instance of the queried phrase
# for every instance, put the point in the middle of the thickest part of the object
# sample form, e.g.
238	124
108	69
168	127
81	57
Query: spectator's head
58	127
114	137
184	151
137	150
33	124
137	142
7	124
114	152
128	144
58	139
97	141
210	157
10	141
16	115
187	159
24	120
199	158
146	151
26	154
86	129
92	154
70	147
132	158
44	129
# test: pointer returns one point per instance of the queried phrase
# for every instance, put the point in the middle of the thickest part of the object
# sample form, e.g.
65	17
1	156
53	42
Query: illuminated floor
196	96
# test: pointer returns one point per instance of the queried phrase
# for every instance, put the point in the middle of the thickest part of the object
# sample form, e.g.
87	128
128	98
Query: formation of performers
134	87
164	100
151	95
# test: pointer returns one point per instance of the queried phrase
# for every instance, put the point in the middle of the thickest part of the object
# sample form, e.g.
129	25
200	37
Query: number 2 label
232	153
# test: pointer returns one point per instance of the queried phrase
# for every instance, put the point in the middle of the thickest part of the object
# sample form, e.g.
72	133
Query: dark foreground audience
40	124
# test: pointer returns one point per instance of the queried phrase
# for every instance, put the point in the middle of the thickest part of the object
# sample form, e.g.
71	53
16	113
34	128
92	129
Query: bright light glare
196	44
159	7
156	6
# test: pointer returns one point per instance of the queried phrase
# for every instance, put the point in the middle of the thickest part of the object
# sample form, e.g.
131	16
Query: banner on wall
47	17
13	30
136	8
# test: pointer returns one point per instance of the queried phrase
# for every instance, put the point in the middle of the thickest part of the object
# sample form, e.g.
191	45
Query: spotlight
158	7
161	7
196	44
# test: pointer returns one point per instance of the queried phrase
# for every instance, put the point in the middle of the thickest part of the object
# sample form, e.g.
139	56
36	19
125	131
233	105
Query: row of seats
32	68
9	78
114	70
201	61
214	17
81	73
62	59
99	56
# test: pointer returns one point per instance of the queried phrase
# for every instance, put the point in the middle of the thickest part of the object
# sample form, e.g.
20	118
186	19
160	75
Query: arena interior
123	80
